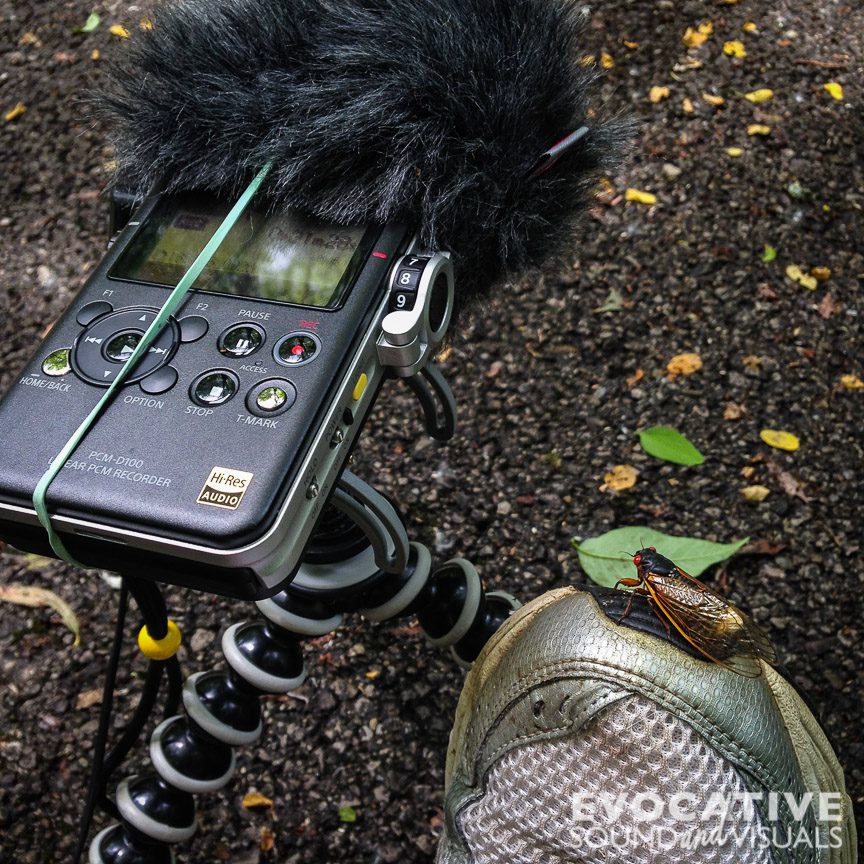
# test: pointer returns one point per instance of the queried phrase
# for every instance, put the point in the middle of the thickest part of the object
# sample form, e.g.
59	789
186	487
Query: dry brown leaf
752	362
827	306
268	840
733	411
821	274
87	699
789	484
636	377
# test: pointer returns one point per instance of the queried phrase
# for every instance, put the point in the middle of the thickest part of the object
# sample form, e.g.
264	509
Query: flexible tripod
359	560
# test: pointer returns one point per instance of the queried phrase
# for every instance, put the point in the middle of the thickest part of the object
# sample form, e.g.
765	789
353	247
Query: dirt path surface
551	393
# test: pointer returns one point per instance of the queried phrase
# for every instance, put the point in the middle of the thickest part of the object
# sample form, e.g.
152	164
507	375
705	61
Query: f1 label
225	487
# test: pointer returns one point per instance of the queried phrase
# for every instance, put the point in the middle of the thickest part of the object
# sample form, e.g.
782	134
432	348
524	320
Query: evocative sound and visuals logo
225	487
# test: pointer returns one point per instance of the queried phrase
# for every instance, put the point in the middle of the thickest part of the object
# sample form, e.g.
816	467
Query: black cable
94	784
151	604
136	725
175	687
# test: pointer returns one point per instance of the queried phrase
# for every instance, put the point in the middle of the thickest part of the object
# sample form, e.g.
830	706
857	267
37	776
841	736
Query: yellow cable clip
160	649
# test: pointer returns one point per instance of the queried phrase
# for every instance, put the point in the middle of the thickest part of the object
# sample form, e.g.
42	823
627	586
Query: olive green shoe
579	739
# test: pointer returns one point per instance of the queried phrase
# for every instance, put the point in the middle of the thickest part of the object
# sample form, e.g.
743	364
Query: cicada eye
652	549
637	560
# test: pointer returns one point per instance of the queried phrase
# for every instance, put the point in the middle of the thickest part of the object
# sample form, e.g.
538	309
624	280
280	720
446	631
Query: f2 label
225	487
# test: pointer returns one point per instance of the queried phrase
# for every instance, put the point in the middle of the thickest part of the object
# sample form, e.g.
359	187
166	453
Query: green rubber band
175	298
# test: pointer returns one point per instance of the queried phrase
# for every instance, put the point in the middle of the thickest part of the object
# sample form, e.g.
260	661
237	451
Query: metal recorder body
211	465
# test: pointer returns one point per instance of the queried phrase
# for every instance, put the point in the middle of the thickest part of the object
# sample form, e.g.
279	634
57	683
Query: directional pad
100	351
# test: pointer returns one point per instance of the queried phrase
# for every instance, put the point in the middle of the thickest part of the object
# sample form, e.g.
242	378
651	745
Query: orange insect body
708	621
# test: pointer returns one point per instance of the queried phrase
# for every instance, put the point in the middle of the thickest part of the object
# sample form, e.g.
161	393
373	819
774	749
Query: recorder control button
192	328
271	397
159	381
110	340
296	348
241	340
92	311
57	363
213	388
120	347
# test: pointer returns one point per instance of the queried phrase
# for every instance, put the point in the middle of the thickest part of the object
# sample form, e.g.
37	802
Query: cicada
709	622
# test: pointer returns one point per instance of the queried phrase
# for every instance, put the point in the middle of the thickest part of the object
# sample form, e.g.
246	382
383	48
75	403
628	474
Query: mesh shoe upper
563	702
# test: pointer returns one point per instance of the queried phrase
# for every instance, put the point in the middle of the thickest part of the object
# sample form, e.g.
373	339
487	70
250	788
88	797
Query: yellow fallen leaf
119	30
780	440
607	61
251	800
694	38
687	105
372	674
619	478
640	197
145	24
796	274
734	48
14	113
755	494
852	382
687	65
835	90
749	27
587	60
711	99
822	274
95	54
757	96
684	364
758	129
25	595
734	152
630	45
658	94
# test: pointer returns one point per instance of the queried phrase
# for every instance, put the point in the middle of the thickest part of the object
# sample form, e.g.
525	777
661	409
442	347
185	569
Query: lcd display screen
284	256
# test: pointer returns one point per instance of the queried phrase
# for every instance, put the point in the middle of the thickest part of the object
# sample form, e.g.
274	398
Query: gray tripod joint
419	312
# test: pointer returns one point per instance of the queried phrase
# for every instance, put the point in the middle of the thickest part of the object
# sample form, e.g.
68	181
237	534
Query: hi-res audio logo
225	487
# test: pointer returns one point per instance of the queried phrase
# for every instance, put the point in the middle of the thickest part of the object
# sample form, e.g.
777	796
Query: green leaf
347	814
664	442
607	558
769	254
92	22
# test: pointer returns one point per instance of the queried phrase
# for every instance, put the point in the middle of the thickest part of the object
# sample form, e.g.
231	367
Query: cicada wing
710	623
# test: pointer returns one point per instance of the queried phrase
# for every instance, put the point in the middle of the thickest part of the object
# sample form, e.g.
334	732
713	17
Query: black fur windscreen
430	111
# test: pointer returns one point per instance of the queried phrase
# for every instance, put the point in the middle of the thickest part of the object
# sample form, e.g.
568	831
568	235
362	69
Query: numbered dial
406	282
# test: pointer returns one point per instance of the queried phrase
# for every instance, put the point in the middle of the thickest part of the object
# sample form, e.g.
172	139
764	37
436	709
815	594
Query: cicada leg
630	583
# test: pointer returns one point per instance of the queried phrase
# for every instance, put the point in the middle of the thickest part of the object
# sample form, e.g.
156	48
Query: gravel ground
551	394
